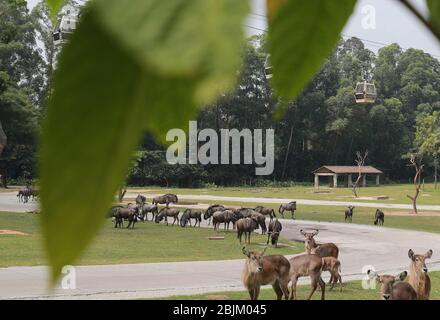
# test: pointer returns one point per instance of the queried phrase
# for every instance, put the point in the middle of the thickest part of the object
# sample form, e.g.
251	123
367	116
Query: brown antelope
323	249
266	211
260	270
393	287
246	226
307	265
226	217
349	214
418	276
291	206
165	199
164	213
333	266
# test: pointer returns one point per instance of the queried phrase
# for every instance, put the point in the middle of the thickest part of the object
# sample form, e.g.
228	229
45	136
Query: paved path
221	199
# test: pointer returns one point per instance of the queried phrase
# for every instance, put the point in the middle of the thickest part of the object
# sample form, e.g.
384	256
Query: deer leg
277	288
340	282
314	287
256	292
285	288
293	288
322	284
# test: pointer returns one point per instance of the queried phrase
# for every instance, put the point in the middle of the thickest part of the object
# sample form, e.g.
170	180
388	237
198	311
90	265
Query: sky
394	24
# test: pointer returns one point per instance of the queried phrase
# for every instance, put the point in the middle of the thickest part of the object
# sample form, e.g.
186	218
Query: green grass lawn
351	291
397	193
148	242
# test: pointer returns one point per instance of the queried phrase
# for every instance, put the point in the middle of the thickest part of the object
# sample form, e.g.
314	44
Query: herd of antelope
244	220
277	270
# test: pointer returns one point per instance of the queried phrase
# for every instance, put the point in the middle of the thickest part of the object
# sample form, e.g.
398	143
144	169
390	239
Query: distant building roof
347	170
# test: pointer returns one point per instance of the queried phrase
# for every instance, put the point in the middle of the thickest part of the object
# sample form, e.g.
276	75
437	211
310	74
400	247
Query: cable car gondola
268	68
365	92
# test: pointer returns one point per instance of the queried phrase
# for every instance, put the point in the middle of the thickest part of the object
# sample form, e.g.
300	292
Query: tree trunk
3	139
121	193
287	153
435	174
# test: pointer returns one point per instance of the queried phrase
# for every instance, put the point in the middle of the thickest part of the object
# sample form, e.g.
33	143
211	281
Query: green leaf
206	34
434	11
301	35
104	97
55	6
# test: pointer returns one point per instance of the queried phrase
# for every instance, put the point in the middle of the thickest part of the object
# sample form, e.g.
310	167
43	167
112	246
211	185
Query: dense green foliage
326	124
24	77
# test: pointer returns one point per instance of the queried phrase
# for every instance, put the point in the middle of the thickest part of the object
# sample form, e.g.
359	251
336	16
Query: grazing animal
130	214
275	228
24	194
266	211
260	270
145	208
246	226
166	199
140	200
322	250
226	217
333	266
260	219
189	214
307	265
379	218
164	213
291	206
210	211
418	276
349	214
393	287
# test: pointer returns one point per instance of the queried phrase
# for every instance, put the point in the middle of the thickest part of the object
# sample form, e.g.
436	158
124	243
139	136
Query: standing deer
393	287
307	265
322	250
260	270
349	214
291	206
418	276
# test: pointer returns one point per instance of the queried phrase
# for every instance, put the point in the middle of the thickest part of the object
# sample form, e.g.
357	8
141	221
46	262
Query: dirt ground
411	214
12	232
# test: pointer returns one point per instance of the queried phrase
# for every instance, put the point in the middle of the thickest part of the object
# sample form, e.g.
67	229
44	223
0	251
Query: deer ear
428	254
302	232
245	252
411	254
316	232
402	276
